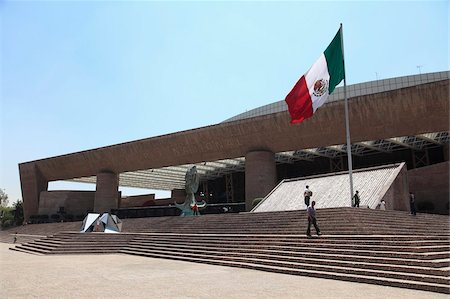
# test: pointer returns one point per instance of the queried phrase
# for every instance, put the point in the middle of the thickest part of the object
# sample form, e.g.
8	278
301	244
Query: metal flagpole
347	125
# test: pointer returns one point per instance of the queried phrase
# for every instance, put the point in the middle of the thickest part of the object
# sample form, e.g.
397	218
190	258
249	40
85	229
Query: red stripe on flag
299	102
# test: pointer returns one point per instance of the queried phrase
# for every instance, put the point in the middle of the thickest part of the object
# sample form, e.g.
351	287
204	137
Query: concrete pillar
260	175
33	183
446	149
106	192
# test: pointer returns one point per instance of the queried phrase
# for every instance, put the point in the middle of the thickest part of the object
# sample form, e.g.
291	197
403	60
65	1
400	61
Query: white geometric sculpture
106	222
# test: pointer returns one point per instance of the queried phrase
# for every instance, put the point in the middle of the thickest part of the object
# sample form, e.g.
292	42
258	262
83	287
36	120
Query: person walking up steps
307	194
312	219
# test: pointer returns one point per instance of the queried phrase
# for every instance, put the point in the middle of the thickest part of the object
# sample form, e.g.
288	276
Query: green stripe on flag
335	61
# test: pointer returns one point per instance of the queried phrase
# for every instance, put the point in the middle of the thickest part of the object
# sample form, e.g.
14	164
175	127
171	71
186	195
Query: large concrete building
402	119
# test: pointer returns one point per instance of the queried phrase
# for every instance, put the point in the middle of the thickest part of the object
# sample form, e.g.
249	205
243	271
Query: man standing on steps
356	199
307	194
412	203
312	219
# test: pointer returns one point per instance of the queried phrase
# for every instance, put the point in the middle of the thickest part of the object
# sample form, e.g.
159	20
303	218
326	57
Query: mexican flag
314	87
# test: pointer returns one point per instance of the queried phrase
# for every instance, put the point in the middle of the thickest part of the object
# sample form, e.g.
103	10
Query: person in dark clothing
356	199
312	219
412	203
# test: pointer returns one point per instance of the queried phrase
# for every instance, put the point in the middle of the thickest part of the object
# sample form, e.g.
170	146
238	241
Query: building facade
402	119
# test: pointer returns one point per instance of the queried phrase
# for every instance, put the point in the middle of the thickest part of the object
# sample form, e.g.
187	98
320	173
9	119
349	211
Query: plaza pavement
124	276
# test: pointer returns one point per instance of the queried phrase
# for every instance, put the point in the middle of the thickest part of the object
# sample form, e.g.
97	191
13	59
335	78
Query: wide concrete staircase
361	245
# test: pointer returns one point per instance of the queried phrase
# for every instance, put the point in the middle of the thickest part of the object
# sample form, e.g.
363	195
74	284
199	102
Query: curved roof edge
354	90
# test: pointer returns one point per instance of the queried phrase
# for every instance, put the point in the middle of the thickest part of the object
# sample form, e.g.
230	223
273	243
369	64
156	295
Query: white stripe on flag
318	71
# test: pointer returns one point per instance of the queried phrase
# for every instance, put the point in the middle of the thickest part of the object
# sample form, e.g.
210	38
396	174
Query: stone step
88	250
27	251
288	239
91	244
284	217
286	221
415	249
87	247
294	222
410	220
433	287
291	231
292	237
33	246
83	241
302	243
47	242
296	231
89	235
294	265
308	249
301	236
317	260
281	219
328	211
356	214
31	250
75	245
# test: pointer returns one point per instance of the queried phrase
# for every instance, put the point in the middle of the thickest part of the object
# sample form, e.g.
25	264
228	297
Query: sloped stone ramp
331	190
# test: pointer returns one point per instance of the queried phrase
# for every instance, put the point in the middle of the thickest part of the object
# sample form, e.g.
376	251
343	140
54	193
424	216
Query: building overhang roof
172	177
378	121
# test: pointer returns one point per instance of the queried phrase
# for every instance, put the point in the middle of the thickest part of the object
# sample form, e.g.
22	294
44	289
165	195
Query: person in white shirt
307	194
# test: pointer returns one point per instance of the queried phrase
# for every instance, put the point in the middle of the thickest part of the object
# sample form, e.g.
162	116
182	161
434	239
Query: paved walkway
124	276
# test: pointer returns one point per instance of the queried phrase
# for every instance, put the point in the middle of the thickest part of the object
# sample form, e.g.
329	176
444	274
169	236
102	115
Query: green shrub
7	216
18	213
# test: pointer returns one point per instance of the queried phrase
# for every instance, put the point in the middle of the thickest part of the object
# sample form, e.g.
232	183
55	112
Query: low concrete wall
431	184
178	195
260	175
166	201
74	202
137	201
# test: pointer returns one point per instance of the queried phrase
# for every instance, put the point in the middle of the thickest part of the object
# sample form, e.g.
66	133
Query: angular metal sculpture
191	207
106	222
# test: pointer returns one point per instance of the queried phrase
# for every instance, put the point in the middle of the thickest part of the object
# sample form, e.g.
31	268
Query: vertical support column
260	175
106	192
445	148
33	183
229	187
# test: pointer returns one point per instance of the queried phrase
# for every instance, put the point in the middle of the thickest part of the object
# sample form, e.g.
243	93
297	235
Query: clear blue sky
81	75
